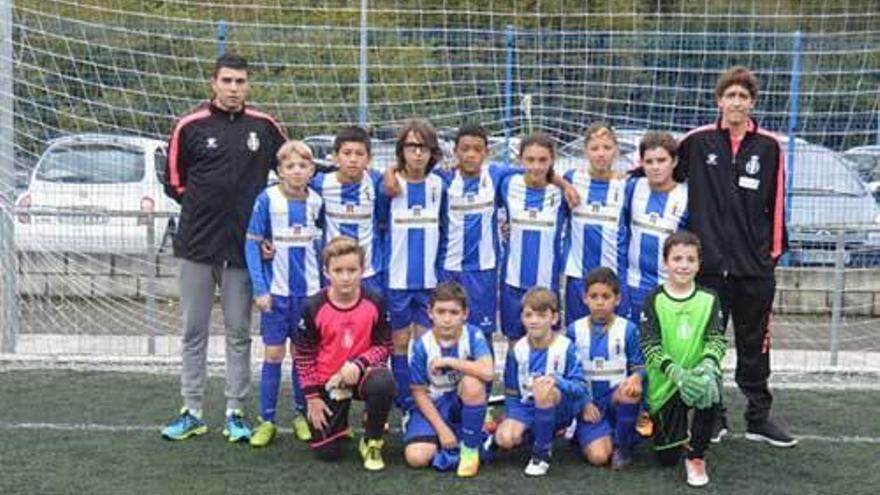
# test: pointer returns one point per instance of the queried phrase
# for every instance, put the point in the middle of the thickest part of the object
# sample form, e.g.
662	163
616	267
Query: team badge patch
253	142
753	166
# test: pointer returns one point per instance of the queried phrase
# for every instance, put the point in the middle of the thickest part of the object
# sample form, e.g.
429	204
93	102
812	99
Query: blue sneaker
184	426
237	428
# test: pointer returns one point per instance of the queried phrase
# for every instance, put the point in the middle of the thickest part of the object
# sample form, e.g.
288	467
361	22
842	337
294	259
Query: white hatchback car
97	193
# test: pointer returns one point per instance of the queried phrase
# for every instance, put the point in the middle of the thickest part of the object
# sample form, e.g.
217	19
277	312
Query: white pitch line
102	428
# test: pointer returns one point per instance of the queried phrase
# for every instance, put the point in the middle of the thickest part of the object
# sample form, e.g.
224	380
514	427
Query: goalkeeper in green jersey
682	339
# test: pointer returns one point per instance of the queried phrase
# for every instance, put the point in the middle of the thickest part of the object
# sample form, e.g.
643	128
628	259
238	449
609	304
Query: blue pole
794	94
508	92
221	38
362	72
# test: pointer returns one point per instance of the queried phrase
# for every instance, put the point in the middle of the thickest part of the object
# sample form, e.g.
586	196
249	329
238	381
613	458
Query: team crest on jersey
433	194
599	363
595	207
211	143
712	159
417	211
618	346
297	230
349	208
253	142
347	339
653	217
471	198
675	209
684	331
533	214
753	166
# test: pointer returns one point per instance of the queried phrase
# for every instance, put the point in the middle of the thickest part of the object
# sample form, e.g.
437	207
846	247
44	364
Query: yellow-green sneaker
371	453
468	462
264	434
301	429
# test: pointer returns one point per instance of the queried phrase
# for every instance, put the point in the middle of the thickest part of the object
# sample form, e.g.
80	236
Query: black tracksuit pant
749	302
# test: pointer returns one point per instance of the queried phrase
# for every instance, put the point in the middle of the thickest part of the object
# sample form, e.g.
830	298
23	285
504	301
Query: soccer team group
385	286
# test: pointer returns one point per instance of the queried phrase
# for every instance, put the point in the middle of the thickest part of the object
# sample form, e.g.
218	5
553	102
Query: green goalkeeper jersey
682	331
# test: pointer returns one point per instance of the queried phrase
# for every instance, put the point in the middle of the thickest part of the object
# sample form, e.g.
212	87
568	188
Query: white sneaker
537	467
696	472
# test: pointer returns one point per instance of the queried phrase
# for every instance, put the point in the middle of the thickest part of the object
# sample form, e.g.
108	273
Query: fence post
221	38
508	91
9	324
150	284
362	76
837	295
794	98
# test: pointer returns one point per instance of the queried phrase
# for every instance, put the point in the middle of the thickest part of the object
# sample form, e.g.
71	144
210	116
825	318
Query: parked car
867	162
97	193
827	196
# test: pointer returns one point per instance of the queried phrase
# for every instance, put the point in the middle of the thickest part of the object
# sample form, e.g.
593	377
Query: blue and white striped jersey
294	227
650	217
472	346
537	219
415	230
593	233
606	355
352	210
559	360
472	242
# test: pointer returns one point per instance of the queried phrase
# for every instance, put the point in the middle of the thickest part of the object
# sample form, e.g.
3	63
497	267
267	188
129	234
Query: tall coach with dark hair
736	181
219	158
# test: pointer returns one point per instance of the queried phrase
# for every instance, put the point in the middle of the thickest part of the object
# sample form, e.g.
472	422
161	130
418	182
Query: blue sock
472	425
625	429
543	428
299	400
488	336
400	368
269	384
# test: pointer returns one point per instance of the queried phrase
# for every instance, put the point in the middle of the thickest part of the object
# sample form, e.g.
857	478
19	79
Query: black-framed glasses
413	147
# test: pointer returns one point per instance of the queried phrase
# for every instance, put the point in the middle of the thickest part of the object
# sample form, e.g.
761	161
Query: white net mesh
100	280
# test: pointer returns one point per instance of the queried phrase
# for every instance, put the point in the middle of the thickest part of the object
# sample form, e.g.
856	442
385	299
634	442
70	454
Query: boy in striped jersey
543	382
592	237
290	214
449	367
608	348
413	236
350	200
655	206
537	214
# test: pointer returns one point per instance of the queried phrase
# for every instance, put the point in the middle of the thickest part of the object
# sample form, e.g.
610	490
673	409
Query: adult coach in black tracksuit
736	185
219	157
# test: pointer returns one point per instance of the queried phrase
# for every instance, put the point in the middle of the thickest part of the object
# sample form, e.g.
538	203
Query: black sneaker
719	428
770	433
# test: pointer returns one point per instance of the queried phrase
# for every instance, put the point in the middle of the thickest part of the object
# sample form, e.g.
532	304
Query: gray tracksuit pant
197	285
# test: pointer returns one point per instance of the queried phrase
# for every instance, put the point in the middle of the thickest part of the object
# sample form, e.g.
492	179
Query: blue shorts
634	301
283	320
408	306
575	308
511	310
587	433
482	292
566	411
375	284
418	429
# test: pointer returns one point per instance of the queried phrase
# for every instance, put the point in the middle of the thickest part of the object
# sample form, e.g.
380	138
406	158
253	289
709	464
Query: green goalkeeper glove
708	366
710	395
690	386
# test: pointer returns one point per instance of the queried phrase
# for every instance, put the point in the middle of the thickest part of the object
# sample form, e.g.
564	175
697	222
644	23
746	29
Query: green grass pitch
42	454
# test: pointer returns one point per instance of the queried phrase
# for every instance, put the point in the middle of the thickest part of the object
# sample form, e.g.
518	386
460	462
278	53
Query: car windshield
818	170
92	164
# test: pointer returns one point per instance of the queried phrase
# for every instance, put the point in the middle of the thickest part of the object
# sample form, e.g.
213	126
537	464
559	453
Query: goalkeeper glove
689	385
708	366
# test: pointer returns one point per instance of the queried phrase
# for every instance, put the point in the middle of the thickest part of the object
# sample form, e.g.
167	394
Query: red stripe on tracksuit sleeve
174	166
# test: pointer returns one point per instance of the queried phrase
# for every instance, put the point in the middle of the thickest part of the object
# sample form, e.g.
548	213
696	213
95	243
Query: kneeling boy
543	382
682	338
449	369
608	348
341	354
